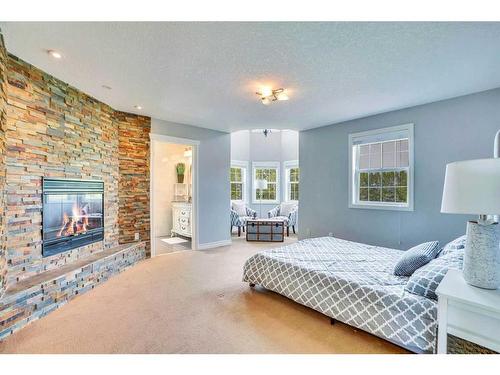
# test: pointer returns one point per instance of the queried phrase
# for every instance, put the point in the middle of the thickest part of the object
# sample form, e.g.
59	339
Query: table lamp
473	187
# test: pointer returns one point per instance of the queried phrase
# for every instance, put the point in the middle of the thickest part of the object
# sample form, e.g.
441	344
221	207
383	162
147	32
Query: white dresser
467	312
181	218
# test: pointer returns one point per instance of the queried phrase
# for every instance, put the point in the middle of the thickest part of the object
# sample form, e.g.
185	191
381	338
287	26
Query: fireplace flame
77	223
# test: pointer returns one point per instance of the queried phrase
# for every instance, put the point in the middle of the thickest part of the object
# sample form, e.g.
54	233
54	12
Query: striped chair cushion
416	257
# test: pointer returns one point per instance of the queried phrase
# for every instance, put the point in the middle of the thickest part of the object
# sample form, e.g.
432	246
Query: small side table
467	312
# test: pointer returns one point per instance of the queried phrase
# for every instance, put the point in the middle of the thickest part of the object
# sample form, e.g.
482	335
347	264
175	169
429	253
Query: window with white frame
381	168
270	172
237	180
292	174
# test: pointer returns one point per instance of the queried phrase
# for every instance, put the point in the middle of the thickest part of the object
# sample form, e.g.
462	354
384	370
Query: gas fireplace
73	214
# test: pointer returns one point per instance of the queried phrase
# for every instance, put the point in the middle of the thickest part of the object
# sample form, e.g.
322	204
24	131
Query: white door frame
155	138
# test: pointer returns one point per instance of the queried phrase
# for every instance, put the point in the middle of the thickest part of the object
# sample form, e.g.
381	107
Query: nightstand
468	313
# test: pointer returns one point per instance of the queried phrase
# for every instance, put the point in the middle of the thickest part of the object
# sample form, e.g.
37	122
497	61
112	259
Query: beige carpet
189	302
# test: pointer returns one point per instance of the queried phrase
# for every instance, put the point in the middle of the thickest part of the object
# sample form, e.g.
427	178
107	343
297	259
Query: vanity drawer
181	218
184	213
184	220
185	229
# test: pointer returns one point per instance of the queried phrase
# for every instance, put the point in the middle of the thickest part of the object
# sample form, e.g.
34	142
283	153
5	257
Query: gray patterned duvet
351	282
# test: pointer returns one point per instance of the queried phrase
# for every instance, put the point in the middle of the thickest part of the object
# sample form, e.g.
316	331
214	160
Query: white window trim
266	164
411	150
289	164
244	166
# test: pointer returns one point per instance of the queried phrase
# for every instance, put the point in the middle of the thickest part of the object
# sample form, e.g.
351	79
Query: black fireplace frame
70	186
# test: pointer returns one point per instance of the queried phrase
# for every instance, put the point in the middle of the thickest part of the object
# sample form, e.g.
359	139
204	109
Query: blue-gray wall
457	129
213	182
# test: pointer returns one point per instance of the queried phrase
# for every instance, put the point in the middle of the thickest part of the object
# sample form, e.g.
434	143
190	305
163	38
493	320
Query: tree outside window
269	171
292	181
236	184
270	175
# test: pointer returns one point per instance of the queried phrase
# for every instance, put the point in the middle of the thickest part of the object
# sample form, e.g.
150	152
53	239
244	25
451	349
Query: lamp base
482	255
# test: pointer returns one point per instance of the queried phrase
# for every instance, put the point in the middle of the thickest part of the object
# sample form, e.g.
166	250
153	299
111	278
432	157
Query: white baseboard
211	245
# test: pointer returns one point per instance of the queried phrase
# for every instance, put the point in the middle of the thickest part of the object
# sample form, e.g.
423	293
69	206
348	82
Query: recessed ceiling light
137	107
106	87
54	54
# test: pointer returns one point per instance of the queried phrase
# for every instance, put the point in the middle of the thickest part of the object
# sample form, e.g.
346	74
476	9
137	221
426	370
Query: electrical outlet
137	237
330	234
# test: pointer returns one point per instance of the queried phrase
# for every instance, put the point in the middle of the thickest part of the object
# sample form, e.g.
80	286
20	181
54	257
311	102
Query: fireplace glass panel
71	214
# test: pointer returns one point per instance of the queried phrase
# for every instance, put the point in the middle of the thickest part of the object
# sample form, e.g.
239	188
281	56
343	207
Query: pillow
456	244
286	208
415	258
426	279
240	208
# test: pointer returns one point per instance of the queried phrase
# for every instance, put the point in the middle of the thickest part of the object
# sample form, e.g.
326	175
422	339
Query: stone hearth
37	296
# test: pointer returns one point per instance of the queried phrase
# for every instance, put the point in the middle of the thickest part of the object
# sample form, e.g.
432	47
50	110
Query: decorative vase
180	178
482	255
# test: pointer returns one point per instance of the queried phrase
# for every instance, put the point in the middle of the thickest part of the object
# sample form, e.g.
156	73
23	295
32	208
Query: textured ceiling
206	74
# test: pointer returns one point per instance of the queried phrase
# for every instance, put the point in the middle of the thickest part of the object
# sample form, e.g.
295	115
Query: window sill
371	206
265	202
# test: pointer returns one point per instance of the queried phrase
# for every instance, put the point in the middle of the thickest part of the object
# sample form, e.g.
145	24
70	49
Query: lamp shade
472	187
261	184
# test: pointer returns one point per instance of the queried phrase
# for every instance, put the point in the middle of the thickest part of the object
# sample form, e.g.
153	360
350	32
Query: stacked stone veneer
133	192
51	129
19	308
3	121
55	130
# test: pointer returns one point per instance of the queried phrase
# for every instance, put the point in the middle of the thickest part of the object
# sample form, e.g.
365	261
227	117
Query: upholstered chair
288	212
240	213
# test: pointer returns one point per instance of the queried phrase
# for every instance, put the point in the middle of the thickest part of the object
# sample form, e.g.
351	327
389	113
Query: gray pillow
415	258
456	244
426	279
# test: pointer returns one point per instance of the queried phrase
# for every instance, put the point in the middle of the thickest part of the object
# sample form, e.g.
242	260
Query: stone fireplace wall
3	120
54	130
133	192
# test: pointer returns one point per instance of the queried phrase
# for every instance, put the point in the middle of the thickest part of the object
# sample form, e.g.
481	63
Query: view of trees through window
293	184
382	171
236	179
270	175
383	186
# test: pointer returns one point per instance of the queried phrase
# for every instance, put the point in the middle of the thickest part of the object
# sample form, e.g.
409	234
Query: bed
350	282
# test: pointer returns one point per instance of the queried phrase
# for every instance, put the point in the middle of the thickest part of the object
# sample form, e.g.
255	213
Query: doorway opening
264	181
173	194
